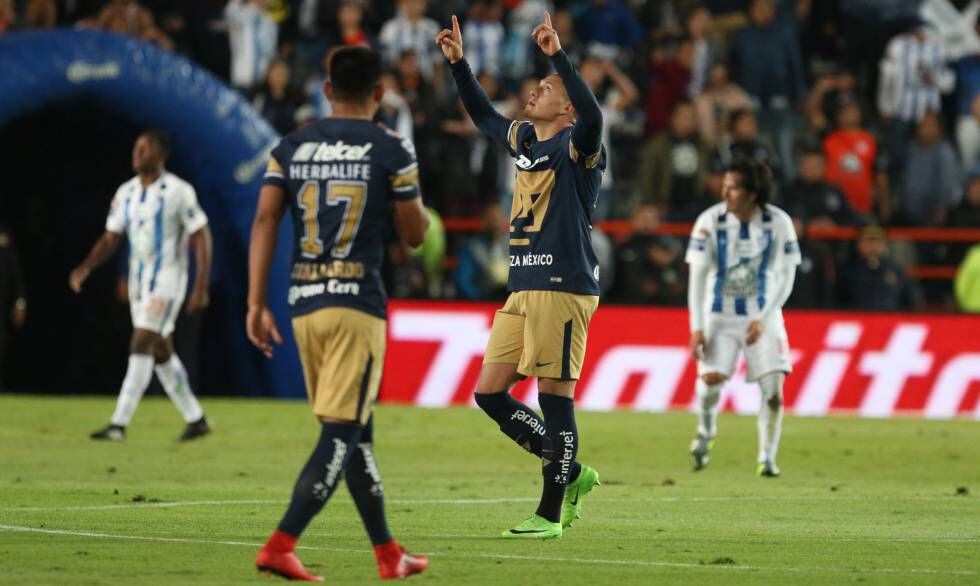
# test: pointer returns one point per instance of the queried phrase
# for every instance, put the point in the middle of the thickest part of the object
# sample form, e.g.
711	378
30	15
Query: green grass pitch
860	501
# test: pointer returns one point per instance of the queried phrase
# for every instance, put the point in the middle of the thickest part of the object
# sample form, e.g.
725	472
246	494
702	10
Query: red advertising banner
872	365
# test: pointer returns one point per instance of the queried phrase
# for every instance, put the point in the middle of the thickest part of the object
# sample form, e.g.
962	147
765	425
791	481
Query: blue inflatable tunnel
219	142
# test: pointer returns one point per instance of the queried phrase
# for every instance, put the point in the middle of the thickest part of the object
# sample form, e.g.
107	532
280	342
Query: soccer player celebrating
338	178
158	212
743	255
554	276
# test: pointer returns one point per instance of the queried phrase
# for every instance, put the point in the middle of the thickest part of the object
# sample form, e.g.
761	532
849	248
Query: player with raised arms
554	276
743	254
158	212
338	178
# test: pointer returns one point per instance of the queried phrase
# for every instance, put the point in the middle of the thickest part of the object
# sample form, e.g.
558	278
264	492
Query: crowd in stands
868	112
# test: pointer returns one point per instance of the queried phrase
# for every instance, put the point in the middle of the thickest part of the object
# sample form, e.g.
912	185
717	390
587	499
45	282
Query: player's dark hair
354	73
756	178
160	139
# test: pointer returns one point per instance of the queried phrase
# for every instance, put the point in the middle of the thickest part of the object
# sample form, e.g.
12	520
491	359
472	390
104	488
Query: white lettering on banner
951	386
828	369
661	367
890	369
873	363
463	336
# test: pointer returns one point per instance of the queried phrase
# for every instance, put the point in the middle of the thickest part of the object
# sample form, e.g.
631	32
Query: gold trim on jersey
590	161
512	133
409	178
274	167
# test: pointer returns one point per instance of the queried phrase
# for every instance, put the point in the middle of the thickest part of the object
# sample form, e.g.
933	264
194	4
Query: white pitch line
648	563
491	501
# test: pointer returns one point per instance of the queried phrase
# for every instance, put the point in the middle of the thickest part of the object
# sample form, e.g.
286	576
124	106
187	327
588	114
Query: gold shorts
542	332
342	351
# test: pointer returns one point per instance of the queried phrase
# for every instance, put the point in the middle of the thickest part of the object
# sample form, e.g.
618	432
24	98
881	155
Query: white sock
770	420
138	375
708	396
174	379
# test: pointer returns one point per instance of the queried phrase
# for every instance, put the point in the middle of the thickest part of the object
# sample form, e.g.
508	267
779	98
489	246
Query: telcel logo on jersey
320	152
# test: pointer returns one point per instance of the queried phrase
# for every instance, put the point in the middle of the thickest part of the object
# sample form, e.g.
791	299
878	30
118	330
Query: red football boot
394	562
277	557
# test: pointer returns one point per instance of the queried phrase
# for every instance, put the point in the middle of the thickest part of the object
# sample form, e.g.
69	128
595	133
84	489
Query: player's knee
713	378
775	401
561	388
143	342
495	378
162	350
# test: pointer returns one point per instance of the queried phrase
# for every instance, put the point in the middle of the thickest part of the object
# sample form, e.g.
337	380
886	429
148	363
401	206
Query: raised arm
588	128
475	100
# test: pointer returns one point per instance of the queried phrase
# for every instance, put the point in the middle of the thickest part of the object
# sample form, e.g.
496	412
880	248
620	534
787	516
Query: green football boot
534	527
575	493
767	470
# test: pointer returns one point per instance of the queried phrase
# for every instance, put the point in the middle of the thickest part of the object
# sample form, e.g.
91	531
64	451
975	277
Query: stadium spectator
421	97
410	30
697	25
207	35
315	95
252	35
853	162
670	77
673	165
811	198
277	100
816	275
394	111
912	77
968	134
766	61
484	259
483	34
720	98
872	281
931	179
744	141
609	25
967	283
8	16
648	264
40	14
13	296
129	18
350	25
519	57
965	215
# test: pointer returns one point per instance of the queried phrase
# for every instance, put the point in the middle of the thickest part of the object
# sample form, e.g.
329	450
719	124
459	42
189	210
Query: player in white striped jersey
742	255
159	214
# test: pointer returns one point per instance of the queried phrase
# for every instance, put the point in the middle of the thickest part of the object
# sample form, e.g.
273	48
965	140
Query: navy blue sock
364	483
558	453
320	476
518	421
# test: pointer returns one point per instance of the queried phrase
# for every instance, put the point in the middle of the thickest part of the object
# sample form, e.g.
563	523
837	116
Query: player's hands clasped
753	332
260	325
77	278
451	42
546	37
697	344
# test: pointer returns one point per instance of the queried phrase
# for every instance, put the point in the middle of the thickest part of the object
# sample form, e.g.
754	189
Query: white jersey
744	257
157	220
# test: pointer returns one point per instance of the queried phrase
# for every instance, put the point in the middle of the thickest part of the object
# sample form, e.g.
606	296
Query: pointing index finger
455	26
547	18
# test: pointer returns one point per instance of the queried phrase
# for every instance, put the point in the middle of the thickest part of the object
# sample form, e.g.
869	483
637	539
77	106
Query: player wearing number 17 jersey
553	281
743	255
338	178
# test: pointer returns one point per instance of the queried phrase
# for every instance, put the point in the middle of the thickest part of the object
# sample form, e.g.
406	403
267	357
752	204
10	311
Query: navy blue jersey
555	191
340	175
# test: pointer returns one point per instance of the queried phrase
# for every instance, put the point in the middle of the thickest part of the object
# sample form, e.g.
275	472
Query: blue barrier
219	142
